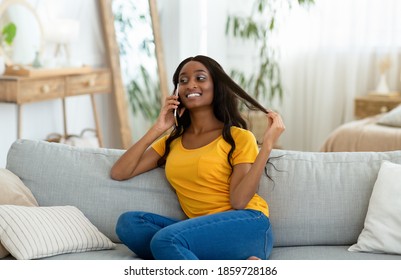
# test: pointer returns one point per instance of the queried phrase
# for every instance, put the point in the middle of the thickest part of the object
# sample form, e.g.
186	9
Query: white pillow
392	118
382	229
37	232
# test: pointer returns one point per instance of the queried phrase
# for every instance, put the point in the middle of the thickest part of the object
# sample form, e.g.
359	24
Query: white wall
42	118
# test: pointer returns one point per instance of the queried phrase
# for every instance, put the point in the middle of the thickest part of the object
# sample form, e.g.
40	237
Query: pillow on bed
392	118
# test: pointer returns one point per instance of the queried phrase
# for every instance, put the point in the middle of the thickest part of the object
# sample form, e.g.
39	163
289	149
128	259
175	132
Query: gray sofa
318	201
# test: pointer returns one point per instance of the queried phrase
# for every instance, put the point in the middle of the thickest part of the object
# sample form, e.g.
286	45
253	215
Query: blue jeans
231	235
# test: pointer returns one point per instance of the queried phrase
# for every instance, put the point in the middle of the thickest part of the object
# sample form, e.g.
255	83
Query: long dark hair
227	95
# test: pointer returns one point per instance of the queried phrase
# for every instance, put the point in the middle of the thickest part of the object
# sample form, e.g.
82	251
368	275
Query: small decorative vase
382	87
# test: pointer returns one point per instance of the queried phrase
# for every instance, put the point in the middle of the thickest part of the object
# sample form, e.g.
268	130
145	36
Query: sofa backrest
58	174
320	198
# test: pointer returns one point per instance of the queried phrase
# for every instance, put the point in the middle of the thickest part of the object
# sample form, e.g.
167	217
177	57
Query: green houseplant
259	26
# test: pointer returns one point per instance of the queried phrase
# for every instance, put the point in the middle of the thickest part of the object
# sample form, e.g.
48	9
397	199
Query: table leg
64	118
19	121
96	117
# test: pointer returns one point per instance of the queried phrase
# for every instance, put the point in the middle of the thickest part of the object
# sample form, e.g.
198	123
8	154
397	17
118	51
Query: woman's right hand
139	158
166	117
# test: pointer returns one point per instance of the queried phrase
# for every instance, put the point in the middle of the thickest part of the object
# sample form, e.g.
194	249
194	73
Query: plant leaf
9	31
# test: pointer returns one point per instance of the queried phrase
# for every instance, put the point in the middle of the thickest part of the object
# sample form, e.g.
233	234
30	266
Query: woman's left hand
274	129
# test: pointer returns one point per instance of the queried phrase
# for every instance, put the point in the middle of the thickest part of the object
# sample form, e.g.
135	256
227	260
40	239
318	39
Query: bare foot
254	258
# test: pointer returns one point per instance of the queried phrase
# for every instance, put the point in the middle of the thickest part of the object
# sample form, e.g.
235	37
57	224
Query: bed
368	134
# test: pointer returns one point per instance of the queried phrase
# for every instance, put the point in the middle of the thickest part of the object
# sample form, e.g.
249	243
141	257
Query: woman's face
195	86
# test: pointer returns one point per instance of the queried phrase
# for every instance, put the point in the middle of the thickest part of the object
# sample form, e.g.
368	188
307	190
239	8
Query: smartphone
175	110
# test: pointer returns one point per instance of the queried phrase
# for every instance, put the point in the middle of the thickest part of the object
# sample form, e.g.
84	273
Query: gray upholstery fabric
121	252
325	253
62	175
320	198
279	253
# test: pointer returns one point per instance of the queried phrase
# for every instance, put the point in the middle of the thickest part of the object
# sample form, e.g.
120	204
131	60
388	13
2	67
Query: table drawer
8	91
365	107
40	89
97	82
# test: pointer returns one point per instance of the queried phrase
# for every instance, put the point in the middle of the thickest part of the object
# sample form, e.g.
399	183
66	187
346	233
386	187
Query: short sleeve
246	148
160	145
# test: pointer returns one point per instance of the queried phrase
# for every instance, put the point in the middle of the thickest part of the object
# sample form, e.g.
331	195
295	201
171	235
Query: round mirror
29	36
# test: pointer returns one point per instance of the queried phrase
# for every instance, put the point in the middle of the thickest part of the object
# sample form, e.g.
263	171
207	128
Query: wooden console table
21	90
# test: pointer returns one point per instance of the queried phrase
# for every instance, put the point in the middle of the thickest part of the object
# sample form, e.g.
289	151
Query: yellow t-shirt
201	177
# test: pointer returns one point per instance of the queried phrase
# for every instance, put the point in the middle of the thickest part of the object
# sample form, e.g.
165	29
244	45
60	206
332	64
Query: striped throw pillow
38	232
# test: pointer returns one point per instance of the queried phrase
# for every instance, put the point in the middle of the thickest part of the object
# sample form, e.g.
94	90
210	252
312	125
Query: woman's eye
201	78
183	81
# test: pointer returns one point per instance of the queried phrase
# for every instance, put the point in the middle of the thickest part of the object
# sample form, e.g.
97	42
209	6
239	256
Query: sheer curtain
329	54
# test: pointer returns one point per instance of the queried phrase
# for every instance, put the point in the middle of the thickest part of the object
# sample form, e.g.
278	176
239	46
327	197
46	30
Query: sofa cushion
382	229
320	198
120	252
58	174
325	253
14	192
37	232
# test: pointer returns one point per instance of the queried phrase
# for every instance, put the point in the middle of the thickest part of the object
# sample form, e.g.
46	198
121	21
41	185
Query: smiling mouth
193	95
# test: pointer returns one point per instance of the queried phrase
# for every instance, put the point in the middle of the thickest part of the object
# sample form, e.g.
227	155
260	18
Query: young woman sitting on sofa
213	163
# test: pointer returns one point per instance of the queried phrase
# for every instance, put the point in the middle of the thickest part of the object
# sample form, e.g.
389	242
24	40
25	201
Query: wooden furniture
22	90
113	57
370	105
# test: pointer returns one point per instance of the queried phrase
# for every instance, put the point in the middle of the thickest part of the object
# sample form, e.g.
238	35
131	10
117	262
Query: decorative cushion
13	191
382	229
37	232
392	118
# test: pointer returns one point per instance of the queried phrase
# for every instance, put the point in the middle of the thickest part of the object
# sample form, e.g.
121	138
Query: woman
214	165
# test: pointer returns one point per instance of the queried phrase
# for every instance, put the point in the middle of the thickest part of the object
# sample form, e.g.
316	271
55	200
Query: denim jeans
231	235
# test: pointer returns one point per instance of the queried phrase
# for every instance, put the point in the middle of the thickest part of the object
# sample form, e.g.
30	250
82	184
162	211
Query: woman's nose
192	84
